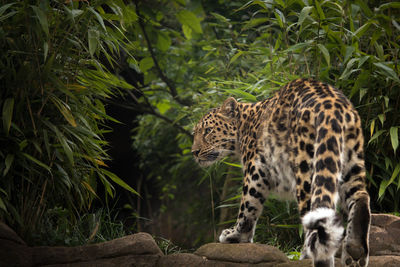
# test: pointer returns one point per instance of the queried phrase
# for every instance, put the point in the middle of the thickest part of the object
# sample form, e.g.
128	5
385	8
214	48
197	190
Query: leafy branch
172	88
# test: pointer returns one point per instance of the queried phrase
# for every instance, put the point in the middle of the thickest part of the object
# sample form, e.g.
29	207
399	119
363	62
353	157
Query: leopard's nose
196	152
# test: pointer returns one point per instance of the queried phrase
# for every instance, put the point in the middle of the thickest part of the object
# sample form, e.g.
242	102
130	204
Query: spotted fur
304	142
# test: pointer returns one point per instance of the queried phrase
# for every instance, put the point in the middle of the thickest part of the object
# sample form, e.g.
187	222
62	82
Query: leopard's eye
207	130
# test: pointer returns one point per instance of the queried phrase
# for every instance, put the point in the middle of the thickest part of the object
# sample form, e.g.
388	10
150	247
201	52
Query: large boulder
13	250
242	253
129	247
6	233
133	250
384	235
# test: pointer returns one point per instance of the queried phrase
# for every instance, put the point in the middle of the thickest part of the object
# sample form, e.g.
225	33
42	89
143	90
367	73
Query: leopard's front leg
253	197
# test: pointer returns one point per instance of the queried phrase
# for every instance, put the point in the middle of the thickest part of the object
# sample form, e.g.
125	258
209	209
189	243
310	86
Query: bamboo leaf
372	127
8	162
45	50
361	31
3	8
325	53
385	183
2	205
233	164
93	39
319	10
118	181
63	141
242	94
42	19
7	15
304	14
8	108
38	162
89	188
99	18
382	189
236	56
65	111
394	138
388	71
388	5
254	22
376	135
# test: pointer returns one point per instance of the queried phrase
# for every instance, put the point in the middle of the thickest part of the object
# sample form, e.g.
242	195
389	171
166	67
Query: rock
13	250
7	233
304	263
242	253
124	261
182	260
137	244
384	235
14	254
387	261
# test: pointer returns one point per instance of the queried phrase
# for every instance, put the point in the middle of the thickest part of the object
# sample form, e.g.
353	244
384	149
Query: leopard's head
216	134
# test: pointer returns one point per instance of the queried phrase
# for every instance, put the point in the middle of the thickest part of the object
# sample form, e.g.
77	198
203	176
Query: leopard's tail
324	234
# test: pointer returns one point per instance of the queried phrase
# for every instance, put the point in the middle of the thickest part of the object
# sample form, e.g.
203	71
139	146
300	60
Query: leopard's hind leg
323	227
355	199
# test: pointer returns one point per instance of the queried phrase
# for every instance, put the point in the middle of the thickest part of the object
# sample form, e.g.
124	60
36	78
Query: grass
57	228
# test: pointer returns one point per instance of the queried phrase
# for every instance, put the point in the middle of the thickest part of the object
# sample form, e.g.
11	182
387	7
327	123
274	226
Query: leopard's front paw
230	235
233	235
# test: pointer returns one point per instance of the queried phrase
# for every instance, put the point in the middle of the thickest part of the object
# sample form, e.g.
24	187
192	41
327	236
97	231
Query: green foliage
53	88
248	50
58	228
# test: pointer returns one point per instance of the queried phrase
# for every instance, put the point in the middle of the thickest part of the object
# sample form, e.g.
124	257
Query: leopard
305	142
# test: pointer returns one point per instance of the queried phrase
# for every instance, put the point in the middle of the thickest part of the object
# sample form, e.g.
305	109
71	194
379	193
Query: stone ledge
141	250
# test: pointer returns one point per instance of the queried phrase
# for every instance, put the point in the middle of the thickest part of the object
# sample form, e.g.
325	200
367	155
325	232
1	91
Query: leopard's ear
228	107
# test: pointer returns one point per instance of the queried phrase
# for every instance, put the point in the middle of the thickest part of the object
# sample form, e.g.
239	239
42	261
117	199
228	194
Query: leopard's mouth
208	159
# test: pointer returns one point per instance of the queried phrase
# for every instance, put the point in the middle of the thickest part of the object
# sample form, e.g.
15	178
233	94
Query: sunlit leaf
241	94
394	137
146	63
89	188
187	31
163	41
65	111
235	57
188	18
304	14
93	39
